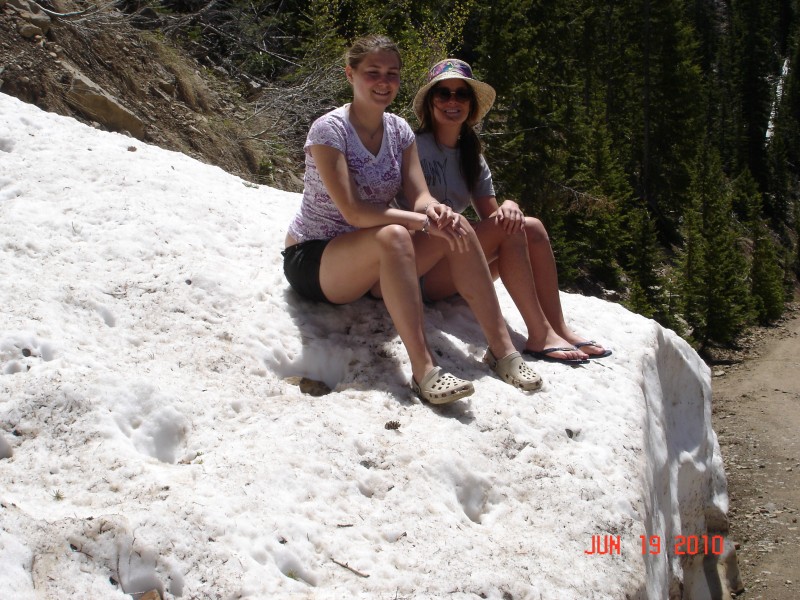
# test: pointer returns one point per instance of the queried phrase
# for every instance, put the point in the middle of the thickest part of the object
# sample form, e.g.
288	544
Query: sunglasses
442	94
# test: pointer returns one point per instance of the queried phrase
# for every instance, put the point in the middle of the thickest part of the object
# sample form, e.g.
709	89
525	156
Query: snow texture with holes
152	436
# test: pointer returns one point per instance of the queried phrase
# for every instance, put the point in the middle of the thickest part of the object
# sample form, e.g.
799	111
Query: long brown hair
469	144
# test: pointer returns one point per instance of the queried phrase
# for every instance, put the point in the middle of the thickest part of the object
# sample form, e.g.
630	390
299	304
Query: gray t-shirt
443	174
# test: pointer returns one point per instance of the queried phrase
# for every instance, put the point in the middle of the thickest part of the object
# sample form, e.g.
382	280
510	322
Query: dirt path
756	414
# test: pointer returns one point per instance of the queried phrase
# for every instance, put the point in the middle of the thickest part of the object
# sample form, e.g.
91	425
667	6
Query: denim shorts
301	268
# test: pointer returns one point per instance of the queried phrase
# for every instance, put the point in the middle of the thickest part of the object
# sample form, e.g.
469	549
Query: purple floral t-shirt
378	178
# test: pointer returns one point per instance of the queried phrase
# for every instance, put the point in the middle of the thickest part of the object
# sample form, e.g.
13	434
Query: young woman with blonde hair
347	240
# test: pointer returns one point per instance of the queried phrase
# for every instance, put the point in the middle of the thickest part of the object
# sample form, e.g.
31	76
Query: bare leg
543	263
354	263
508	259
471	278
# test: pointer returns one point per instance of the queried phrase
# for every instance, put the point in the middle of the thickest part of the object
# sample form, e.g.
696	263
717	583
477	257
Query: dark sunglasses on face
442	94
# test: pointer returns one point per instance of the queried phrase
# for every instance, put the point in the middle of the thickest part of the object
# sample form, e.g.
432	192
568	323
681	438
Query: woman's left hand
509	216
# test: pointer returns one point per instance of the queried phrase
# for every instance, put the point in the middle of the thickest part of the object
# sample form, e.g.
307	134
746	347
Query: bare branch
349	568
78	13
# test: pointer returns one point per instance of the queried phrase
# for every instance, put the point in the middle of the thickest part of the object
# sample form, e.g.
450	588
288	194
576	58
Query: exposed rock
29	31
314	388
95	103
168	87
147	19
39	19
33	15
310	386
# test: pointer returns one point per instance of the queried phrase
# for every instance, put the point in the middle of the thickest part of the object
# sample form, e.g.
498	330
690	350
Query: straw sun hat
452	68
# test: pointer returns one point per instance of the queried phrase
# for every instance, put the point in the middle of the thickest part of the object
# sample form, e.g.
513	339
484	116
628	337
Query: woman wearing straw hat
347	241
517	247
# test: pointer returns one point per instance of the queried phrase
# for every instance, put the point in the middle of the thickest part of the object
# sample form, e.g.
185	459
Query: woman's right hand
441	214
510	217
448	225
445	217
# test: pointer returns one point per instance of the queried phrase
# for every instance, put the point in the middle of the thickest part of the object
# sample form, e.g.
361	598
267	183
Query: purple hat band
458	67
453	68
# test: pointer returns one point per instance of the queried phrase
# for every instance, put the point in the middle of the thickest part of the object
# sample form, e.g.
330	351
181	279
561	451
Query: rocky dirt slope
75	59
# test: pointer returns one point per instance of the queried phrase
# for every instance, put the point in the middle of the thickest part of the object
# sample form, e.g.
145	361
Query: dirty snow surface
153	435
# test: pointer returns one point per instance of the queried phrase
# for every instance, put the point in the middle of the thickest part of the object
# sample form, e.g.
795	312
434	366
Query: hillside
95	66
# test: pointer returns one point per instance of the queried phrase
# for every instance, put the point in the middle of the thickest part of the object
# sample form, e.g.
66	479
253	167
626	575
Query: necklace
362	129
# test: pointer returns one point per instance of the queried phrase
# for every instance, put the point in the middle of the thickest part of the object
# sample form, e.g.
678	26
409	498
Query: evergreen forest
659	141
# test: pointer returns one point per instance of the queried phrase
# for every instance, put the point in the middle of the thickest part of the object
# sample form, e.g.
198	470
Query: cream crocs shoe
438	387
514	371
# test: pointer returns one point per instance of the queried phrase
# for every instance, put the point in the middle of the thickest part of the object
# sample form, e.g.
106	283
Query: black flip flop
545	355
603	354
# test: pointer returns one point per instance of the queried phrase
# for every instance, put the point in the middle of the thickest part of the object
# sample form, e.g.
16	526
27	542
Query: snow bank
152	435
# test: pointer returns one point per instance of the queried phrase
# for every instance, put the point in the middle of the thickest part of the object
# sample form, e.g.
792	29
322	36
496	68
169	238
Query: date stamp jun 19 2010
682	545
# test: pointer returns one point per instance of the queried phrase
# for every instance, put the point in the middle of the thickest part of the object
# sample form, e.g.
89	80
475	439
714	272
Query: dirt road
756	414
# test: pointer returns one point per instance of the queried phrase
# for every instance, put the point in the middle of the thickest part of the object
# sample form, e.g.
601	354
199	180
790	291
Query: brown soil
756	414
184	105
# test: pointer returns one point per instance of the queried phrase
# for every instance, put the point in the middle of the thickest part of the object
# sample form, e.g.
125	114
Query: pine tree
648	290
756	65
525	48
716	295
745	198
693	268
766	271
599	190
766	277
557	154
672	109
